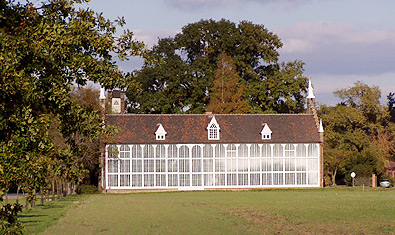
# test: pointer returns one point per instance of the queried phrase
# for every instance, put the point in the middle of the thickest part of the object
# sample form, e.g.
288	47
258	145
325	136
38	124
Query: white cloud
193	5
150	37
306	37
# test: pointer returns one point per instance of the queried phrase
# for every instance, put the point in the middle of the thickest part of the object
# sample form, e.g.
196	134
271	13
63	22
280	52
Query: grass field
293	211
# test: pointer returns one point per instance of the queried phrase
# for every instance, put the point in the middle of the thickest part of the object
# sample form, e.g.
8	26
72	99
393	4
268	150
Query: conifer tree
228	89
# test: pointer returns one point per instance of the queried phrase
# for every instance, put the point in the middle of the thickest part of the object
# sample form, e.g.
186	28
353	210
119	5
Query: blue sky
341	41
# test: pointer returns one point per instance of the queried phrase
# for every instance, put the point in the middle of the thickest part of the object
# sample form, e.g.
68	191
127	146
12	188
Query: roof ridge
211	114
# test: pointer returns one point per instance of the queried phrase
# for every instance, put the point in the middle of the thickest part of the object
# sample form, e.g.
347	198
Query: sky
340	41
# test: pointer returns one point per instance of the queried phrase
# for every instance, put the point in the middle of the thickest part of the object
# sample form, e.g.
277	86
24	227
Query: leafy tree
228	90
358	134
181	77
44	50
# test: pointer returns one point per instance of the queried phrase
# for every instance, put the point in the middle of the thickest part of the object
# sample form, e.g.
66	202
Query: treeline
359	134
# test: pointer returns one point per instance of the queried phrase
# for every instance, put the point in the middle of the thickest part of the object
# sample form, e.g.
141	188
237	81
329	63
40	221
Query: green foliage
179	76
228	90
358	134
9	223
45	50
87	189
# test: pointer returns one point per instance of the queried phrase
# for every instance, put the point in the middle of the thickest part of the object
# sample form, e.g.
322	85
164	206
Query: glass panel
196	180
160	180
173	180
172	165
125	180
313	164
243	179
148	165
149	180
300	178
208	179
137	166
219	179
136	180
208	165
112	166
289	178
255	179
231	179
124	166
255	164
113	180
278	179
184	180
160	165
267	179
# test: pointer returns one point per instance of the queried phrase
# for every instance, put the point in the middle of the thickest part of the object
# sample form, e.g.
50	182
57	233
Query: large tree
181	70
44	50
358	134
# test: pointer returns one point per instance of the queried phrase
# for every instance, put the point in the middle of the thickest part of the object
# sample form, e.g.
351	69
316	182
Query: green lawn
324	211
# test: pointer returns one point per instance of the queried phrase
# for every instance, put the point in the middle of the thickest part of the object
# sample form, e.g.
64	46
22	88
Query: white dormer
266	132
213	129
160	133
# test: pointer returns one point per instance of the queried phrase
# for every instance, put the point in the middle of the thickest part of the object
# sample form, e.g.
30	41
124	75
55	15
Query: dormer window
213	130
266	132
160	133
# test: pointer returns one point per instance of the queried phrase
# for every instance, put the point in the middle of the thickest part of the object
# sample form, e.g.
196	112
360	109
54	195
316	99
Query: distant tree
228	89
357	132
181	70
391	105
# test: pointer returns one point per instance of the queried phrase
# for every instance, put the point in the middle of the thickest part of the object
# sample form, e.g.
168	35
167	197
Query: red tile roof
234	128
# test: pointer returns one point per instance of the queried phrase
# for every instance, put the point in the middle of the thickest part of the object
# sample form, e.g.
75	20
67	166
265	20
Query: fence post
374	180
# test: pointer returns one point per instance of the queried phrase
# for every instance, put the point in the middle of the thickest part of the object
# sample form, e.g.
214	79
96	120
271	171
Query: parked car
385	183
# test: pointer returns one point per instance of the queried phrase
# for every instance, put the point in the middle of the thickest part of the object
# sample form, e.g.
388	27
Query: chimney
117	101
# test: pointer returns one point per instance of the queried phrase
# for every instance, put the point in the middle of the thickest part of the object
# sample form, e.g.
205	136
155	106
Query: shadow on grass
39	218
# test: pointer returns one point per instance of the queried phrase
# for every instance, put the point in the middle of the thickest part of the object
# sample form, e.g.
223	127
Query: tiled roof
235	128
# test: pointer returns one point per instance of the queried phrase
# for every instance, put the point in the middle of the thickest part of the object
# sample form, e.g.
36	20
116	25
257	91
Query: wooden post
374	180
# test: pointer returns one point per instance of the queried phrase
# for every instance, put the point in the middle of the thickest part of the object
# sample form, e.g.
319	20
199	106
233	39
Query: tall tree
228	89
44	50
358	134
183	70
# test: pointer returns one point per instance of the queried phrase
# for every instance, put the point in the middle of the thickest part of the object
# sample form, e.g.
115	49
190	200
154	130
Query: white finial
102	96
310	94
321	129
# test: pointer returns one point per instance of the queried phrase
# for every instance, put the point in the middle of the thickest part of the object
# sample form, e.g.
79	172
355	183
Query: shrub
87	189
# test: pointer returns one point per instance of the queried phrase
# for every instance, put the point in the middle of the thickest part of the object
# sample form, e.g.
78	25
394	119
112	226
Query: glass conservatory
212	166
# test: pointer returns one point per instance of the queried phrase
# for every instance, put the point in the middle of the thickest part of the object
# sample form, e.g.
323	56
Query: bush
9	222
87	189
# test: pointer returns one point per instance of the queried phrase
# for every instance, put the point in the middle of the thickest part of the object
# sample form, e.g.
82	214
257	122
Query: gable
237	128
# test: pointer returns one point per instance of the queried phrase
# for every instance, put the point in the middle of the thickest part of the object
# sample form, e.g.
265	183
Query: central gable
235	128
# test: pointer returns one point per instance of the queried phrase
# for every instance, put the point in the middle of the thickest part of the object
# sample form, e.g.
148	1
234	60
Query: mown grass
36	220
293	211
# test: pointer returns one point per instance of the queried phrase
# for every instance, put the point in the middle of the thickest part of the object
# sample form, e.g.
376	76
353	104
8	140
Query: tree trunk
6	198
34	199
42	197
53	189
68	188
334	177
27	202
17	194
